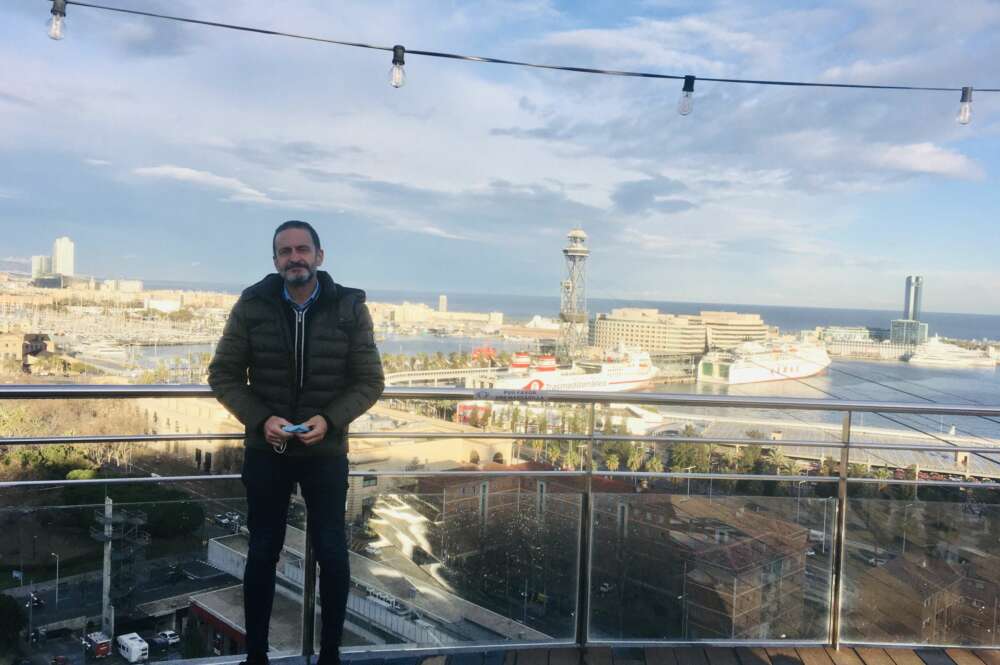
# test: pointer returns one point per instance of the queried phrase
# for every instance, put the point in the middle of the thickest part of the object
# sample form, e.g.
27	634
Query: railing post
840	536
586	506
308	592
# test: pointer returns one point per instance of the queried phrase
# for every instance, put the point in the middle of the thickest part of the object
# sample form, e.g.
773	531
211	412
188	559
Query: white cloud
238	190
97	162
926	158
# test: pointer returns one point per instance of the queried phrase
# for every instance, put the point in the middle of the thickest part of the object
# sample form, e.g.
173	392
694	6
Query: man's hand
317	430
272	430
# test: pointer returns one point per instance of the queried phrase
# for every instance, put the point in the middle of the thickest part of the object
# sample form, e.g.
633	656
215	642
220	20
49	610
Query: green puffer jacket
253	371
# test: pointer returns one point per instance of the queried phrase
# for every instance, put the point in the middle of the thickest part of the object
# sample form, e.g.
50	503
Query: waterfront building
420	314
912	303
845	334
63	256
442	303
122	285
727	330
40	266
908	331
648	329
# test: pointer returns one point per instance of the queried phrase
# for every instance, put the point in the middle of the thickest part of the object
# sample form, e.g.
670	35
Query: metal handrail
586	472
60	391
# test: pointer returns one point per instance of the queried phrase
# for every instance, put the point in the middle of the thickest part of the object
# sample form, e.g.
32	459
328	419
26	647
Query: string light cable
397	76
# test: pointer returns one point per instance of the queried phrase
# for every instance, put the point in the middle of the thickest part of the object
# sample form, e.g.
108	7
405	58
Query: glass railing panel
462	560
156	557
901	440
471	435
740	560
921	565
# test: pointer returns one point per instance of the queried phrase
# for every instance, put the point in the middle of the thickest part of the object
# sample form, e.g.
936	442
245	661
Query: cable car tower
573	296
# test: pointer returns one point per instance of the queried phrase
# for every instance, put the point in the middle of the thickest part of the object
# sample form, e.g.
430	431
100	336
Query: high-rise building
442	303
913	297
62	256
41	266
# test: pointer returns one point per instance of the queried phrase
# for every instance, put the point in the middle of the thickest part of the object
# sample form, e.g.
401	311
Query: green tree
611	461
655	465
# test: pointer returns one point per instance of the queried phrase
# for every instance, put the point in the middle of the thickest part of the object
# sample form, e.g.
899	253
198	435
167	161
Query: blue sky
171	152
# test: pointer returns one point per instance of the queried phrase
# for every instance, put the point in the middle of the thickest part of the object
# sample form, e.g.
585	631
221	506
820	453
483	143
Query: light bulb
58	17
397	75
56	26
686	103
965	107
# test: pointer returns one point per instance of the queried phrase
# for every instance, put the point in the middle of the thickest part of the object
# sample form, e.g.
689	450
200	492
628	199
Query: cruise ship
935	353
619	371
755	362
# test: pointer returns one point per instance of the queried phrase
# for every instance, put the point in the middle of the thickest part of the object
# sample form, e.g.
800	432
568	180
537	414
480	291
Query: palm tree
655	465
779	460
571	459
883	475
612	462
635	459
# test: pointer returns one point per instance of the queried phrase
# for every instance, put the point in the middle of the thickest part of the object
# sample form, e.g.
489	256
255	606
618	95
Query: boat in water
935	353
622	370
756	362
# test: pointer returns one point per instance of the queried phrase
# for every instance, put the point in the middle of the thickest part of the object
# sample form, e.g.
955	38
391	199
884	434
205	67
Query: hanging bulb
686	103
965	108
397	75
58	17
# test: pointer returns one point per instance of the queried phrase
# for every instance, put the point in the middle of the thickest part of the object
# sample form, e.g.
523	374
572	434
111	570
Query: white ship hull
624	371
581	381
935	353
758	367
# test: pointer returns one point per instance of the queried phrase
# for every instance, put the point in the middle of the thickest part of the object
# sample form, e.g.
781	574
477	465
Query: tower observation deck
573	295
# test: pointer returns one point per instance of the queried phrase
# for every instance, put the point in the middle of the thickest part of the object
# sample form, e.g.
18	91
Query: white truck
132	648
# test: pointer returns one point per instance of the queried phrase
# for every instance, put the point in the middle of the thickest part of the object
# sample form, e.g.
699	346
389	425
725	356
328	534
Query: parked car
59	660
170	636
34	601
132	648
221	520
234	516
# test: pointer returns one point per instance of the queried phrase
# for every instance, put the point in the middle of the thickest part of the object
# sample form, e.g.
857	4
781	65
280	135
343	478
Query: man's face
295	257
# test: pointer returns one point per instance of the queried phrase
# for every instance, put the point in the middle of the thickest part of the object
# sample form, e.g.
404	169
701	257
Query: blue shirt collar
304	306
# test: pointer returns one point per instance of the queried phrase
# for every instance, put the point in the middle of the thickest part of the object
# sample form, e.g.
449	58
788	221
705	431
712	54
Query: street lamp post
688	469
798	501
57	577
905	508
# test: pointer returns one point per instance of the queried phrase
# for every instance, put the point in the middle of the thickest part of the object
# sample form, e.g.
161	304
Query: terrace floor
681	656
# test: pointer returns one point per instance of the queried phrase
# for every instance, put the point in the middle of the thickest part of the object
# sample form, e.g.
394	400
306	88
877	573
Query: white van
132	647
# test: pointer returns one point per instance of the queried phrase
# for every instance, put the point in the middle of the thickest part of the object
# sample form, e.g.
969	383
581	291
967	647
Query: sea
520	308
844	379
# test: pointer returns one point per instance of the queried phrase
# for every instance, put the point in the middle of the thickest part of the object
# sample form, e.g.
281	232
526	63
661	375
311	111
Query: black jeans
269	479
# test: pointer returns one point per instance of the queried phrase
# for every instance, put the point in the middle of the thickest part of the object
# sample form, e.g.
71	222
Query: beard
297	278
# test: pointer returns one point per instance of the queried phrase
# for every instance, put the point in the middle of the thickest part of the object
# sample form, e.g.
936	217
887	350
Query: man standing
298	349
